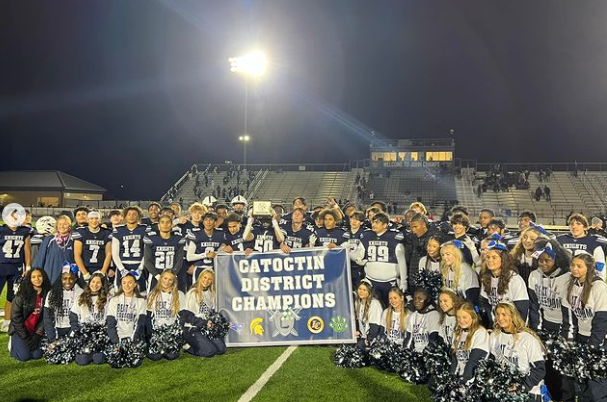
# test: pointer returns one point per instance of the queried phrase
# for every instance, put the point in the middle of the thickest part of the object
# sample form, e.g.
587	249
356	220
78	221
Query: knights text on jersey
164	250
12	243
205	243
131	242
337	236
93	246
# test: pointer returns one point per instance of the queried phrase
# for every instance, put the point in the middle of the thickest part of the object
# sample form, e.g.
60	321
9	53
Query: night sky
133	93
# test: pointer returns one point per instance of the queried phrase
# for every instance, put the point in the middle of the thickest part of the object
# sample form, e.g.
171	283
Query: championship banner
301	298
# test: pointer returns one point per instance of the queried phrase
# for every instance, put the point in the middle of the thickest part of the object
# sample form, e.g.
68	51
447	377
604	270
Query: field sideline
308	374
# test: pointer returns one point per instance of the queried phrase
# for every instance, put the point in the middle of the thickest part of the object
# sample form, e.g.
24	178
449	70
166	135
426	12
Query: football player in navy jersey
15	251
295	233
239	205
357	218
233	240
196	211
267	235
384	257
127	245
203	245
81	215
222	213
330	235
92	248
578	239
153	214
163	250
299	202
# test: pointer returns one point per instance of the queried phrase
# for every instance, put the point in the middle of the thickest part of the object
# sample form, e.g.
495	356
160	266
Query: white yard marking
265	377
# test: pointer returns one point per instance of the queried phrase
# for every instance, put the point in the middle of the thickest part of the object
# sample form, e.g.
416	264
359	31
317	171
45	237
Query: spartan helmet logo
284	322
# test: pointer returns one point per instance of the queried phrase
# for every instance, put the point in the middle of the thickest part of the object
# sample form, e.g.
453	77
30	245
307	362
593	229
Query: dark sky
133	92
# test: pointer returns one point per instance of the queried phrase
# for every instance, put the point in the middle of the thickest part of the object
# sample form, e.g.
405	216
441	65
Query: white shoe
5	325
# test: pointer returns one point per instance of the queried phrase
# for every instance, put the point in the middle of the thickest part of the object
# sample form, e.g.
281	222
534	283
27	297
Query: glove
86	276
33	342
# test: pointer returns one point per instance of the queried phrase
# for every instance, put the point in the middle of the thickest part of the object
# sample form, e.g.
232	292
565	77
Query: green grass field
307	375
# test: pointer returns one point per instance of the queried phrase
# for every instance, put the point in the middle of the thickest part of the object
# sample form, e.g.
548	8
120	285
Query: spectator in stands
547	193
597	227
538	193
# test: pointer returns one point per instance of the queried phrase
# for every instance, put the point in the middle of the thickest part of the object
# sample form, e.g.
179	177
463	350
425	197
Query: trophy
262	209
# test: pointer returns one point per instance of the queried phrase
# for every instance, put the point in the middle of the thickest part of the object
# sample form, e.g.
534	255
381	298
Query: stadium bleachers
578	192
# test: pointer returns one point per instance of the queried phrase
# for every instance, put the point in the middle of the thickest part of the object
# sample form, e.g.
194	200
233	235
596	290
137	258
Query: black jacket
21	309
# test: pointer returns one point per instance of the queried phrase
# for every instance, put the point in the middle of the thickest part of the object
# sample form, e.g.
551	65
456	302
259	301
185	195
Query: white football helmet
209	201
46	225
239	199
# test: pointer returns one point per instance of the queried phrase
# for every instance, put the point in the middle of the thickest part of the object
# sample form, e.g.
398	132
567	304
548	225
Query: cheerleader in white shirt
457	275
394	318
448	303
89	309
513	343
471	342
431	261
165	306
126	313
585	318
200	302
500	282
423	323
368	314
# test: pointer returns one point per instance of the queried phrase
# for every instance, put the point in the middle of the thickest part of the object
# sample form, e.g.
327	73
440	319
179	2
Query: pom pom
570	358
437	356
381	353
90	338
501	382
166	339
60	351
453	388
411	366
597	362
220	326
350	356
431	281
126	354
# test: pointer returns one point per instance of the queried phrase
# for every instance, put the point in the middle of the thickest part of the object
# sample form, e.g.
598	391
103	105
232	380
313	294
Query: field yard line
265	377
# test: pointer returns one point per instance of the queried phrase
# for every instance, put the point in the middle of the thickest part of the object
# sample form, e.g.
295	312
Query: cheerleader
471	342
200	302
368	314
431	261
523	251
513	343
579	239
58	306
88	310
500	282
126	314
423	323
165	306
457	275
585	318
448	302
27	325
394	318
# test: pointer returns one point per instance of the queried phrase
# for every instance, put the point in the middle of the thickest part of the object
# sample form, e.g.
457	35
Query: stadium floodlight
253	64
244	139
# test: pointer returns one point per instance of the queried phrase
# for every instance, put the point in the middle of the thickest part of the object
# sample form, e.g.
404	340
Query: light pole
252	65
244	139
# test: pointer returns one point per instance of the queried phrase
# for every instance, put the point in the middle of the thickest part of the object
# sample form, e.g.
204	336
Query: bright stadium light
253	64
244	139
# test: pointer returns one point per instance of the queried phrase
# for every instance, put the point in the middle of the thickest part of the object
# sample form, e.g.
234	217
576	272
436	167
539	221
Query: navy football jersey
308	220
298	239
337	236
205	243
187	228
165	250
12	244
131	242
236	241
265	239
381	248
93	246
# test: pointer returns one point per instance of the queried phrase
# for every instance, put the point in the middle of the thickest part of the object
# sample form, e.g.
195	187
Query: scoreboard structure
412	153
